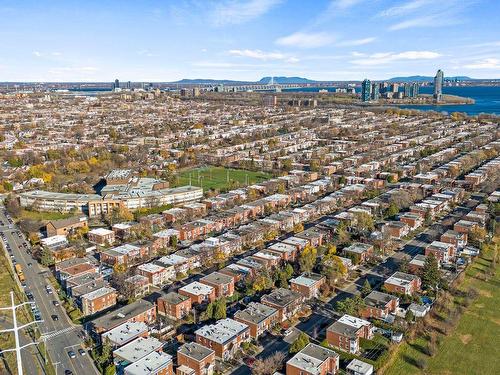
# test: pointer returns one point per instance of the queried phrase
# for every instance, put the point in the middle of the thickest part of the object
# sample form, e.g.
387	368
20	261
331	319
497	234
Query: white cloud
261	55
404	9
489	63
37	53
427	21
356	42
428	13
236	12
387	57
306	40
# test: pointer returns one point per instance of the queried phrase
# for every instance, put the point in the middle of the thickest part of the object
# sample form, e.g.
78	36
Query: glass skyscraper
366	90
438	85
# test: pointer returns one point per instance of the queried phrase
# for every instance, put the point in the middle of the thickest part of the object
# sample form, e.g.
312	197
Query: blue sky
166	40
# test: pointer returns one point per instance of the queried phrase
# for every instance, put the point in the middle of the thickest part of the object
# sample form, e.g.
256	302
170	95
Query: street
60	335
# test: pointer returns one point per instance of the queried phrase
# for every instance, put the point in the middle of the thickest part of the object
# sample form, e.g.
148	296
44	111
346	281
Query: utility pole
16	330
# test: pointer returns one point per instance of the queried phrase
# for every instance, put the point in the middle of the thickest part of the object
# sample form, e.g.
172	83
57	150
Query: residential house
157	275
155	363
223	284
313	360
402	283
359	252
98	300
457	239
443	251
174	305
198	292
307	284
224	337
346	332
379	305
101	236
66	226
125	333
195	359
135	350
357	367
286	301
138	311
260	318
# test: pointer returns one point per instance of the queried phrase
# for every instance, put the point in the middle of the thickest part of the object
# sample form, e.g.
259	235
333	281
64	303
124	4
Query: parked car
55	303
71	354
54	317
82	352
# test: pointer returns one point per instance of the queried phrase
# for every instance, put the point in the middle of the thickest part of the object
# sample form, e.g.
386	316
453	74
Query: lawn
8	283
472	348
43	216
219	178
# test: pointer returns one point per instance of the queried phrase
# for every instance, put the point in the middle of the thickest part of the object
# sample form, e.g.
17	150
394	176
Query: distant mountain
427	79
285	80
203	81
262	81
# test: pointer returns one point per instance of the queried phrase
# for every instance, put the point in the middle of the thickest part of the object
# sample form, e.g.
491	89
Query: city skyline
246	40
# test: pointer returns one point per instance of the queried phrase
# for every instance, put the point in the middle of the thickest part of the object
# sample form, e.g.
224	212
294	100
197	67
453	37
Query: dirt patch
485	293
496	321
479	305
465	339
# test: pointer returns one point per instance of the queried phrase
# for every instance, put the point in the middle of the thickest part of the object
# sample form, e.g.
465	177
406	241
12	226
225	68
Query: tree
269	365
350	306
409	317
314	165
217	309
364	222
430	272
297	228
261	282
392	210
288	271
307	258
173	242
300	343
366	289
477	235
403	266
46	258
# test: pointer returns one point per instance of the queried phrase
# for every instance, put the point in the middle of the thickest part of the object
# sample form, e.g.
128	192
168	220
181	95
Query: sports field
219	178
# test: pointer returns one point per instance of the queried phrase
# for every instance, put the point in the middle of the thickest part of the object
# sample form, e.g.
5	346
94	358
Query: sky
167	40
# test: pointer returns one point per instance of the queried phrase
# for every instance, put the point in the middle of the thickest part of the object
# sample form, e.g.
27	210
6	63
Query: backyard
471	347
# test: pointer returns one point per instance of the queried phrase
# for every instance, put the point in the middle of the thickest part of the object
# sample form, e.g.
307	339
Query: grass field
8	283
472	348
219	178
43	216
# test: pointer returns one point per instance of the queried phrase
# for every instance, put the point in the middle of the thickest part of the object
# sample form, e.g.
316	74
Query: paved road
62	335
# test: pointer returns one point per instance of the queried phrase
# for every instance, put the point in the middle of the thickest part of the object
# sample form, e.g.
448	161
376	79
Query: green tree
430	273
300	343
392	210
46	258
307	258
366	289
364	222
288	271
173	242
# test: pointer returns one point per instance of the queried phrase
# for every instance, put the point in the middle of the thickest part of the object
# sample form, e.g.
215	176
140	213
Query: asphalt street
60	335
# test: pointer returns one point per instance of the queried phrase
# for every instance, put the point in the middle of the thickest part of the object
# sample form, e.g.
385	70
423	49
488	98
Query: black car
68	372
54	317
55	303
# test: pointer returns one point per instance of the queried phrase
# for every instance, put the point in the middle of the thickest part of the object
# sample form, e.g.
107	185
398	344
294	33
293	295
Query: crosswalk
50	335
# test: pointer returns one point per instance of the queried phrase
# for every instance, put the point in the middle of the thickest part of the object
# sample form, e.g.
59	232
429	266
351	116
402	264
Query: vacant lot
472	348
218	178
